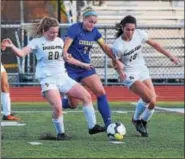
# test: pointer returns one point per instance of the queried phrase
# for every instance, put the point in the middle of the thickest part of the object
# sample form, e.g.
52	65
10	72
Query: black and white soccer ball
116	131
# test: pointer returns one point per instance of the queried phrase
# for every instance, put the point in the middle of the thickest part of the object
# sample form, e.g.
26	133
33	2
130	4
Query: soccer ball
116	131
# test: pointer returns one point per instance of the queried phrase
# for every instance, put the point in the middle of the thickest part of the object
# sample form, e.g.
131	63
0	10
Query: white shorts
2	68
62	82
135	75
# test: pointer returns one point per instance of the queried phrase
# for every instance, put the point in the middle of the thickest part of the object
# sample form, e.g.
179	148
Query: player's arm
106	49
69	59
161	49
118	66
7	43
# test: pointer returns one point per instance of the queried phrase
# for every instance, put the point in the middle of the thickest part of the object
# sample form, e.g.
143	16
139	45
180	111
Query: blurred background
162	20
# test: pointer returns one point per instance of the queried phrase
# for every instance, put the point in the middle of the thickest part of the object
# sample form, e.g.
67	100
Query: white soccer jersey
129	52
49	56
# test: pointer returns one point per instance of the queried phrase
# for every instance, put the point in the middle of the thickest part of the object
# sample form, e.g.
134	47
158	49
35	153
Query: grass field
166	130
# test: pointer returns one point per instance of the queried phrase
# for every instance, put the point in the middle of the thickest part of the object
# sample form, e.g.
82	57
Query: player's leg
94	83
78	91
53	97
5	97
147	96
148	112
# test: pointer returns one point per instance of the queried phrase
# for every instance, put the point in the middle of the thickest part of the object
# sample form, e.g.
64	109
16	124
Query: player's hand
122	75
6	43
175	60
87	66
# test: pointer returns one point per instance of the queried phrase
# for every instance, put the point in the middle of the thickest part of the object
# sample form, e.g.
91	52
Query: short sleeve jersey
83	41
49	56
130	52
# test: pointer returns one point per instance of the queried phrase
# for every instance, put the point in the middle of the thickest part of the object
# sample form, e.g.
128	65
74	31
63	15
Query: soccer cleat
140	127
145	126
62	136
10	117
96	129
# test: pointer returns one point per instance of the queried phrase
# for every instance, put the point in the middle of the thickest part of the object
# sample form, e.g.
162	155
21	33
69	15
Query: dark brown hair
124	21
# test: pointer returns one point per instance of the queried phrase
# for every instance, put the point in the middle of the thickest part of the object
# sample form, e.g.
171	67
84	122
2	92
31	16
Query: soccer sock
59	124
147	114
140	107
90	116
65	102
104	109
6	103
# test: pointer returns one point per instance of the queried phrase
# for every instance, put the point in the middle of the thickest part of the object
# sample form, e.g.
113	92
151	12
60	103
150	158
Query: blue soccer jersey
83	41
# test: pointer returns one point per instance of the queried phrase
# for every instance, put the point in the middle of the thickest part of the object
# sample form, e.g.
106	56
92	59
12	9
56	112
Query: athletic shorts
62	82
78	76
134	75
2	68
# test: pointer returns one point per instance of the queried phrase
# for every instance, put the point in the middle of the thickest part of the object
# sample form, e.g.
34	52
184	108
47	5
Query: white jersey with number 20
129	52
49	56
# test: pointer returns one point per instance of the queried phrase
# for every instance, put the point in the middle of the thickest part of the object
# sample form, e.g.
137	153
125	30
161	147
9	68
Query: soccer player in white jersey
128	49
5	97
50	71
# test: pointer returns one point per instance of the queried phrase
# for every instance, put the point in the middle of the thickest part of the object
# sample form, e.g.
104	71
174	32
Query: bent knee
87	97
151	102
100	92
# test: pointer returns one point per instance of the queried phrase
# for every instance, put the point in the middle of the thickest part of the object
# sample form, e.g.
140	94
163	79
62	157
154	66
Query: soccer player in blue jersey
80	39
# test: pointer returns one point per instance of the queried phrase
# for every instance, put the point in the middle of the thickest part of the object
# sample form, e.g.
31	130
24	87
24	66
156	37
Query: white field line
176	110
34	143
75	111
12	123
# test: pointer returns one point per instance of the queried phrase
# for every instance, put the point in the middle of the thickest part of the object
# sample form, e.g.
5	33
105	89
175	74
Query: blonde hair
37	29
88	9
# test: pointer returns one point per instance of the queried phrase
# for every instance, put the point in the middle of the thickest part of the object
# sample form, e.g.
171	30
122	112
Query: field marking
65	112
116	142
176	110
11	123
35	143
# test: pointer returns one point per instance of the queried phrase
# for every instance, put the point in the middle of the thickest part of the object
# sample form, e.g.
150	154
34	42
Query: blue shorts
78	76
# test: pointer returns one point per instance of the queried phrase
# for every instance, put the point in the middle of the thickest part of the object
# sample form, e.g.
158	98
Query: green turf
166	139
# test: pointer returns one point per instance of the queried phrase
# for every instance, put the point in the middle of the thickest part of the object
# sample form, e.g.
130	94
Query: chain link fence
162	70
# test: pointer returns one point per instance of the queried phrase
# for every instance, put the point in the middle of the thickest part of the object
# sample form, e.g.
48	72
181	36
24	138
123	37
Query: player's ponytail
124	21
119	30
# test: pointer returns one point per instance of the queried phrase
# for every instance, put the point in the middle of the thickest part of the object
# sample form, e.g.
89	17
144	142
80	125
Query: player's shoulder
76	25
118	41
35	40
59	39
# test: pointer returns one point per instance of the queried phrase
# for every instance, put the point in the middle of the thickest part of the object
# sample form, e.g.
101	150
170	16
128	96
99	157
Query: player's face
89	22
128	31
52	33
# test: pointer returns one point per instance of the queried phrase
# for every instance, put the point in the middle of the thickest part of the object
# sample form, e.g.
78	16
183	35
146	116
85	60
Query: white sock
59	124
140	107
147	114
6	103
90	116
